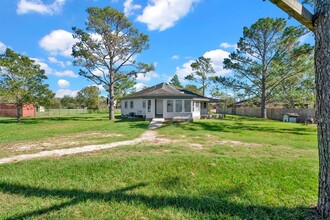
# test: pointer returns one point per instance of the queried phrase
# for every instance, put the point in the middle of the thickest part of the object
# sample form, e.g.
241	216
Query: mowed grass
37	134
231	174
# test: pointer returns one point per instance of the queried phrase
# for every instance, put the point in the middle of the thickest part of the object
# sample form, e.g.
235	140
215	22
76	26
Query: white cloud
27	6
50	71
58	42
43	66
184	70
217	56
100	72
129	7
100	87
67	73
226	45
146	77
3	47
140	86
163	14
175	57
54	60
63	92
62	83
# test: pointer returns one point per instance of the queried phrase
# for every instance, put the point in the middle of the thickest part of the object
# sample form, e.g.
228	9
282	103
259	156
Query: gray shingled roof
164	90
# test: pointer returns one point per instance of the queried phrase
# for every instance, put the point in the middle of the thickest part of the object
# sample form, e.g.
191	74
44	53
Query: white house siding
137	107
174	114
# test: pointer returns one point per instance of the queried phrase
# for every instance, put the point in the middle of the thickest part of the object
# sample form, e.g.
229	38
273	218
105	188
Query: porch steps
156	123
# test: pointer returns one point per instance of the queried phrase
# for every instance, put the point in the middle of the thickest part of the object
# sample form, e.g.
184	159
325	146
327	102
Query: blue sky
180	31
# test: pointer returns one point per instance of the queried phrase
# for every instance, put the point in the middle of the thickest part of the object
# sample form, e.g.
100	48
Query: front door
159	108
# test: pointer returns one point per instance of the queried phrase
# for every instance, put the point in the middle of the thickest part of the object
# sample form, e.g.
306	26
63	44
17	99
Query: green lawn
38	134
233	168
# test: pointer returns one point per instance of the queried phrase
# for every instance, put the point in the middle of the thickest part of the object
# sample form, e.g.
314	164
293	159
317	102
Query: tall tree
321	27
175	81
124	87
89	97
22	81
202	71
322	67
268	54
68	102
193	88
298	92
107	49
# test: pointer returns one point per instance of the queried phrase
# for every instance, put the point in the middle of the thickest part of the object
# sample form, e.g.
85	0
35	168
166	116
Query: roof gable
164	90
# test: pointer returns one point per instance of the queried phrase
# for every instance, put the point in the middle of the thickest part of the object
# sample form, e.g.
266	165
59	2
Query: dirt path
146	136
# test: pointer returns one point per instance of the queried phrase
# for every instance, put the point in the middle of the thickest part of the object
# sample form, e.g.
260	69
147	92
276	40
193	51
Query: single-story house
165	101
10	110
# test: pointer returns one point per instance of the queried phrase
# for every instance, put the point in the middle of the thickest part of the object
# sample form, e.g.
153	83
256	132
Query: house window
126	104
178	105
132	104
144	104
149	105
205	104
196	106
169	105
187	106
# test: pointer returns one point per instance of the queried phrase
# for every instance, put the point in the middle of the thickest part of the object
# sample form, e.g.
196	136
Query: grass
251	175
37	134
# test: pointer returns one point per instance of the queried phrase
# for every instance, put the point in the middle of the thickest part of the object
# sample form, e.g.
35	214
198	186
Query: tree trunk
19	112
322	67
263	113
112	98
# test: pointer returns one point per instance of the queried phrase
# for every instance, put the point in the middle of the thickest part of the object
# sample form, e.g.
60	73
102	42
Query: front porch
175	109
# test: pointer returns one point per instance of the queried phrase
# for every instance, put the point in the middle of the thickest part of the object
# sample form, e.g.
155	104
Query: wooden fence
272	113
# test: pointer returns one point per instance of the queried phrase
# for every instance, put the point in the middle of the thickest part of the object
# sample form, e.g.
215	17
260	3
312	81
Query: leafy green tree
124	87
88	97
202	73
268	55
107	50
176	82
68	102
193	88
22	81
298	92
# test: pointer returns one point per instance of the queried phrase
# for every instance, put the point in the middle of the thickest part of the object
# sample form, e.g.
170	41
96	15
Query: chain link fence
60	112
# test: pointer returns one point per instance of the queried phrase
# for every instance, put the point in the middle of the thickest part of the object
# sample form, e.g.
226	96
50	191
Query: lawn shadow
209	205
39	120
237	126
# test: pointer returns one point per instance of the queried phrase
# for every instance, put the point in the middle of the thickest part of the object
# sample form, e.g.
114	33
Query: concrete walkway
156	123
146	136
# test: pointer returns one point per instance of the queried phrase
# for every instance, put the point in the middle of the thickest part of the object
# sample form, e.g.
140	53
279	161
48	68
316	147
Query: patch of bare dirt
237	143
196	146
65	141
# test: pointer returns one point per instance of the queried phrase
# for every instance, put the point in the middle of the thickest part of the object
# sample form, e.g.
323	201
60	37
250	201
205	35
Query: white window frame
184	105
178	101
167	105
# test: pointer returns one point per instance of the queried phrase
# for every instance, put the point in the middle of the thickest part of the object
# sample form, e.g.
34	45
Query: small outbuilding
10	110
290	117
165	101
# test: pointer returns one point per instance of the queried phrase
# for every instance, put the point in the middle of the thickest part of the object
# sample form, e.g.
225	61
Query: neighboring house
165	101
10	110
